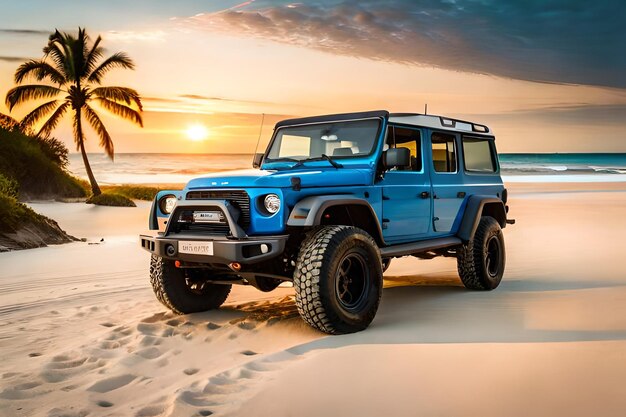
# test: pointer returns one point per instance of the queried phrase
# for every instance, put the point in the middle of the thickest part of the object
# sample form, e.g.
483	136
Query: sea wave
180	168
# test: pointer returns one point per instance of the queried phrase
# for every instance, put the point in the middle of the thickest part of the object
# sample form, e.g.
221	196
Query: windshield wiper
298	162
332	162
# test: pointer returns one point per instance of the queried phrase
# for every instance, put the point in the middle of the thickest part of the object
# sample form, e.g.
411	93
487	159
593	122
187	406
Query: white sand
81	333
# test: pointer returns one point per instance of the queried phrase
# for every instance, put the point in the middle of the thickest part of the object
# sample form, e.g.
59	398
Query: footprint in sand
154	410
191	371
157	317
247	325
174	322
149	353
64	366
34	354
113	383
66	412
196	399
212	326
104	404
21	391
249	353
150	341
107	324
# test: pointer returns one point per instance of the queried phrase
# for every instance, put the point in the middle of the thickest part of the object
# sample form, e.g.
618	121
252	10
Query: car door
446	181
406	191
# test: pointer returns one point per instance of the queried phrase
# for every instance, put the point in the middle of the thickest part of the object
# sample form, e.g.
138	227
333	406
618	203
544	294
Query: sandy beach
81	333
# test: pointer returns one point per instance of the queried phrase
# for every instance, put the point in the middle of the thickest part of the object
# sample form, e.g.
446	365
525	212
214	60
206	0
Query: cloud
26	32
136	36
557	41
13	58
570	115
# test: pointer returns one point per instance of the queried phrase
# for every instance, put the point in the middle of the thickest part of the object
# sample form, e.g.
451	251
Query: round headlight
272	203
167	204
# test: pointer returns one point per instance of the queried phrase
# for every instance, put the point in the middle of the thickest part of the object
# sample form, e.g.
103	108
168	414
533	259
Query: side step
418	247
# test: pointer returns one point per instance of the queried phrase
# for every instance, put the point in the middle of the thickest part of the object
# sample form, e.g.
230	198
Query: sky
545	75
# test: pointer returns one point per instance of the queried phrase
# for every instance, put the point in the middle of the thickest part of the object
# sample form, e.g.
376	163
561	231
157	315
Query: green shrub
9	187
111	199
55	150
39	176
14	215
135	192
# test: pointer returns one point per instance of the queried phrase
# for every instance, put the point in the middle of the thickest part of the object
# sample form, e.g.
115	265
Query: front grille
238	198
184	221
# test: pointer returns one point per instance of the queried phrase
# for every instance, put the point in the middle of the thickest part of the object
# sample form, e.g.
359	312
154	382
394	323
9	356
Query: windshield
335	139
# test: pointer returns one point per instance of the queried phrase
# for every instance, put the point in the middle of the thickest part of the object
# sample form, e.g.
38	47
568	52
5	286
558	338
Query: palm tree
73	66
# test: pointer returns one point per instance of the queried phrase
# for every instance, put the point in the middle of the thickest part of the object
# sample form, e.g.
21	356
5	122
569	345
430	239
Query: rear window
479	155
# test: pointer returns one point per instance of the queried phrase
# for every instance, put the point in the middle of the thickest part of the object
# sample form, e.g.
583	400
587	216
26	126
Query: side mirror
257	160
396	157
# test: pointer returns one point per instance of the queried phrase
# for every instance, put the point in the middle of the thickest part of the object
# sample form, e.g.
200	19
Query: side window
444	152
401	137
478	155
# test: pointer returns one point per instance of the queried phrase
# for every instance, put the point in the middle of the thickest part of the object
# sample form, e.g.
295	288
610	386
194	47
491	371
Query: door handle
424	194
460	194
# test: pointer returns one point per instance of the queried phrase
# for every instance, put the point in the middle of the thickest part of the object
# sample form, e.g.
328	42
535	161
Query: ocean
154	168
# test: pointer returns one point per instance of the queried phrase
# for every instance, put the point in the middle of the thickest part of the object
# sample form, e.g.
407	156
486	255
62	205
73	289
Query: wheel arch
336	209
478	206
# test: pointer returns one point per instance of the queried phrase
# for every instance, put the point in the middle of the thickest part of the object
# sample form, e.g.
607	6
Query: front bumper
245	251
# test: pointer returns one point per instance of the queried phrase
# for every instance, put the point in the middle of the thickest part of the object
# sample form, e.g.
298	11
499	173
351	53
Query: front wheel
176	291
338	279
481	261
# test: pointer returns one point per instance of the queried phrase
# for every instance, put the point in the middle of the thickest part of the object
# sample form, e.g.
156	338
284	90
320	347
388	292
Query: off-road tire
476	272
171	289
318	281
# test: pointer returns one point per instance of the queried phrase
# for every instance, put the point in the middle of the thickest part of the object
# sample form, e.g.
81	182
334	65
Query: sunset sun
197	132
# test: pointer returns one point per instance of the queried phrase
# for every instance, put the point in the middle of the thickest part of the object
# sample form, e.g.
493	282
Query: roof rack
445	122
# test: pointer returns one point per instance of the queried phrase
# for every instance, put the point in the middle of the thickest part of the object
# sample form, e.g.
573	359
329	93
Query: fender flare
308	211
473	212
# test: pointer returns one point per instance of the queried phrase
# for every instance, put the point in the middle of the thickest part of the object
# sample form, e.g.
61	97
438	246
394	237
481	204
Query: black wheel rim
492	256
352	281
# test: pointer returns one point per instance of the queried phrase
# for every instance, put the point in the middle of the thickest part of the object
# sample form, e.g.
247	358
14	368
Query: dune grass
111	199
134	192
23	159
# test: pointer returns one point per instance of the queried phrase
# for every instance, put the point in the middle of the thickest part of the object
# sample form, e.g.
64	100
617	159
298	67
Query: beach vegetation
73	69
111	199
37	166
135	192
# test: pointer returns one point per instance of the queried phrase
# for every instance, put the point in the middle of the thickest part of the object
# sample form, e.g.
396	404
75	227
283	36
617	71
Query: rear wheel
338	279
481	261
183	294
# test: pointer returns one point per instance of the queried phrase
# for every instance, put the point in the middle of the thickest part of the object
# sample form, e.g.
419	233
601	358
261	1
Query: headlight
272	203
167	203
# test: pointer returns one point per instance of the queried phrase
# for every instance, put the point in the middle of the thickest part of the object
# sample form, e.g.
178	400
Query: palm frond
105	139
40	70
56	51
80	49
34	116
121	110
93	56
23	93
117	60
53	120
119	94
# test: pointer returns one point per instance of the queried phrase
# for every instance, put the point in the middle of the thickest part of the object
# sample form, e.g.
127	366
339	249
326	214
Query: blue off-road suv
335	199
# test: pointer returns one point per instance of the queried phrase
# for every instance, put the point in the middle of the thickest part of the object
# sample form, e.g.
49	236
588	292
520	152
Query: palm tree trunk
95	188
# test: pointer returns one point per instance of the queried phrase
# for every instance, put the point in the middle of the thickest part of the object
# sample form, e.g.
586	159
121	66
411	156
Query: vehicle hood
282	178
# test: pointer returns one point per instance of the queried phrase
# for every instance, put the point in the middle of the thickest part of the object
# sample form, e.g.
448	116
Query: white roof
439	122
